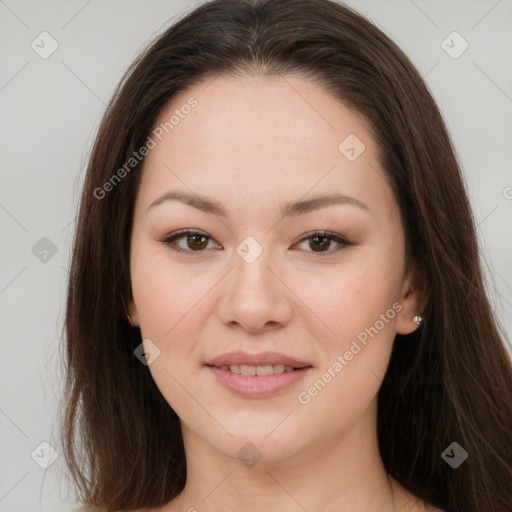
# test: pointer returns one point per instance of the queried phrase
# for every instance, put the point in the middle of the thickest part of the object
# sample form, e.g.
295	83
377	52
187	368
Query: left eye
320	240
197	241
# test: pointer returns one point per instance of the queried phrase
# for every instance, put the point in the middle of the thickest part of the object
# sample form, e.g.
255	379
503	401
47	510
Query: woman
276	300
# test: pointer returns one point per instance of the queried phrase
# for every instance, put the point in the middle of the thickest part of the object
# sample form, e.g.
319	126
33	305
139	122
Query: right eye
195	241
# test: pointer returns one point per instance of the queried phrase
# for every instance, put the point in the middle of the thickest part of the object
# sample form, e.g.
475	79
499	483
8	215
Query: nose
254	297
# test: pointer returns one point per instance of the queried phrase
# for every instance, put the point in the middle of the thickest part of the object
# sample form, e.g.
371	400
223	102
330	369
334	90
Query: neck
344	473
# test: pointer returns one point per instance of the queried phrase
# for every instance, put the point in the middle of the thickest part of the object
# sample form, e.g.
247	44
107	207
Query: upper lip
261	359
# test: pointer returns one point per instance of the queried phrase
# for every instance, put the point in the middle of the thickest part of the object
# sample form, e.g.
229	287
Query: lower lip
253	386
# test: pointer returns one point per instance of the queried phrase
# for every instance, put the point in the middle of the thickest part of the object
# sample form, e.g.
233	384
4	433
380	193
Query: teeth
264	370
246	369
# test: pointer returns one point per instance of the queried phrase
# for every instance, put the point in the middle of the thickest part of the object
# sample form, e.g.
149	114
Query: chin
254	446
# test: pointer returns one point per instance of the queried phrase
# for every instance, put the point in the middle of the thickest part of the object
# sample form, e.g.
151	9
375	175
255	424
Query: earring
417	319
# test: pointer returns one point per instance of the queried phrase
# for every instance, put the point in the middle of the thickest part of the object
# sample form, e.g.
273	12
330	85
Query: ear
131	310
413	302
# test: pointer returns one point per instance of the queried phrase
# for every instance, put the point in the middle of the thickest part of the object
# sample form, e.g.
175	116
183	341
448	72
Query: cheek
169	313
358	302
153	292
359	305
169	298
351	297
159	293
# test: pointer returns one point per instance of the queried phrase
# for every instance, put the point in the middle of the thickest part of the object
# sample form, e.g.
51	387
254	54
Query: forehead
261	135
263	112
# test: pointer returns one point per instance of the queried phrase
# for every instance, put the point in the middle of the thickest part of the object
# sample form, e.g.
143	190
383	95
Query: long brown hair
449	381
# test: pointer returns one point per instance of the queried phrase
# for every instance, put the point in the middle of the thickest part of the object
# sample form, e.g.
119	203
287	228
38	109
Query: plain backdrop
50	111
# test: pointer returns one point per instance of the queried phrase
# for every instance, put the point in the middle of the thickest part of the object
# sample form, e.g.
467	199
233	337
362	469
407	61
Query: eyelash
171	239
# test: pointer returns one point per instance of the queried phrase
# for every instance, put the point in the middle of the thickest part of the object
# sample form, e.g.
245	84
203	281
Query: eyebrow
289	209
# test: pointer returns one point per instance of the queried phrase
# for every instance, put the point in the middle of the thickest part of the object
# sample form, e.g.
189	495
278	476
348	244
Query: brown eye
197	242
321	242
194	241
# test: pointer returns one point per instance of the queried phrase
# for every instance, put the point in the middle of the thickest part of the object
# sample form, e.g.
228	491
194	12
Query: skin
253	144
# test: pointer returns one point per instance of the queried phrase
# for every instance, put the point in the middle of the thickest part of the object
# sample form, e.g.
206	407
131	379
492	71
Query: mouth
268	375
263	363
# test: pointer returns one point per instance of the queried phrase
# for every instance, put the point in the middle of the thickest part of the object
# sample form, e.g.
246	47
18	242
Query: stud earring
417	319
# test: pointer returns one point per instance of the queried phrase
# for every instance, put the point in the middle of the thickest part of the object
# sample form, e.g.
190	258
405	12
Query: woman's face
254	161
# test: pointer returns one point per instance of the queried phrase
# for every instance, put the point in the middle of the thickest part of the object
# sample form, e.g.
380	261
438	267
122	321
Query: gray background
51	109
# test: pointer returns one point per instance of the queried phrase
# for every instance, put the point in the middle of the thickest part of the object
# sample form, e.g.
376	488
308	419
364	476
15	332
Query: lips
257	375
